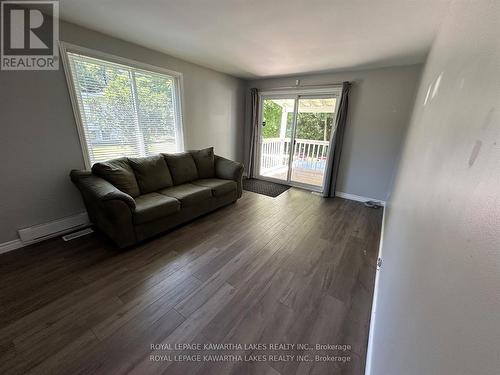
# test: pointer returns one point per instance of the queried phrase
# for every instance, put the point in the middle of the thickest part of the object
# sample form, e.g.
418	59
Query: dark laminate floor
296	269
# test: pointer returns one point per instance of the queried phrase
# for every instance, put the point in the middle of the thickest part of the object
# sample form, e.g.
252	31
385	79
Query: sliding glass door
295	136
276	129
315	119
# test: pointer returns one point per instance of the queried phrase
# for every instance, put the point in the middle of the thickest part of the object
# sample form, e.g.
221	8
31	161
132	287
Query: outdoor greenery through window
313	125
124	111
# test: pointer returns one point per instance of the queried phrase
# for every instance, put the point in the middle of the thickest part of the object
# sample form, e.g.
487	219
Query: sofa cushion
151	172
188	194
119	173
218	186
205	162
152	206
182	167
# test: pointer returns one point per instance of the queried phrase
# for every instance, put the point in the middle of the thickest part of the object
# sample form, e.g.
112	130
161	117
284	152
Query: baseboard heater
54	228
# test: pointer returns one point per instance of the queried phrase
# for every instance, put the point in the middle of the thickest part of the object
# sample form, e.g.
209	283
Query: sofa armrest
110	209
99	188
229	170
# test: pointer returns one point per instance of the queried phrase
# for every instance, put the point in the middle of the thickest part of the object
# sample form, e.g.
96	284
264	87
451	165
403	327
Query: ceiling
263	38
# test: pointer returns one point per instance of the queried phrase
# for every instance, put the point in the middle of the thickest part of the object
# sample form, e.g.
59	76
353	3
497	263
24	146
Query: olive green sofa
132	199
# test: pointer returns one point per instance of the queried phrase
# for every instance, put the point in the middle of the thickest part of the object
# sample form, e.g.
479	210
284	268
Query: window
121	109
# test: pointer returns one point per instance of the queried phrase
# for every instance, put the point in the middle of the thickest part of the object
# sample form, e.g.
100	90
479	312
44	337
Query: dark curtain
254	123
334	157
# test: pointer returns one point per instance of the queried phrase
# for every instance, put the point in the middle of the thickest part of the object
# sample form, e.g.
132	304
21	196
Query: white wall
438	305
39	143
380	105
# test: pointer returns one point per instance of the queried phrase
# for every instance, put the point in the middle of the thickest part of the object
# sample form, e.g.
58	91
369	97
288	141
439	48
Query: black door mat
270	189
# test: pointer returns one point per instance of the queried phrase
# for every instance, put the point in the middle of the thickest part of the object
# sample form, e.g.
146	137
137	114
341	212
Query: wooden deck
296	269
305	176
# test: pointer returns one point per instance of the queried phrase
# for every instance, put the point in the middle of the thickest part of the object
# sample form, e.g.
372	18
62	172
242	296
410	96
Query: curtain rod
337	84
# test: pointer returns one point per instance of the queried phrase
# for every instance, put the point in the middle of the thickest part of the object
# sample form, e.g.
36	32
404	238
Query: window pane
155	96
124	111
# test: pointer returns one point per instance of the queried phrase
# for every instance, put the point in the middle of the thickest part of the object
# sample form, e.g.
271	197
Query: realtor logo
30	32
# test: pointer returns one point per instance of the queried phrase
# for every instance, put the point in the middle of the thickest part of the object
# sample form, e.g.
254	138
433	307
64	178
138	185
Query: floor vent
80	233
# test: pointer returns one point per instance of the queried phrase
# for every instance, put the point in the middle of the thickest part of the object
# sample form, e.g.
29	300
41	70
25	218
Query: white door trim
295	94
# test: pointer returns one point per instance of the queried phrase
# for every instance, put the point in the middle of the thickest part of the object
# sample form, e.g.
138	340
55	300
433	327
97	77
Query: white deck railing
307	154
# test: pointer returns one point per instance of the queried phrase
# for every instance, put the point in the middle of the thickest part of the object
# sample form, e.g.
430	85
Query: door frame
296	94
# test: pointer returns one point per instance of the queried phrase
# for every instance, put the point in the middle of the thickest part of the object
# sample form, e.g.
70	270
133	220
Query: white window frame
177	76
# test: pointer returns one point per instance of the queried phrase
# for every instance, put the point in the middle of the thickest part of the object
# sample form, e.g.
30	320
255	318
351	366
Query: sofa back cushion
119	173
151	172
205	162
182	167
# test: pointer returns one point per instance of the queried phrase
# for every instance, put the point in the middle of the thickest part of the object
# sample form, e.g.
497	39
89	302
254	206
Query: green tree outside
272	117
108	103
314	126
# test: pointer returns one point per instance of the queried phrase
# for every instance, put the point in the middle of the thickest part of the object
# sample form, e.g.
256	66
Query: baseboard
10	245
37	233
357	198
369	351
